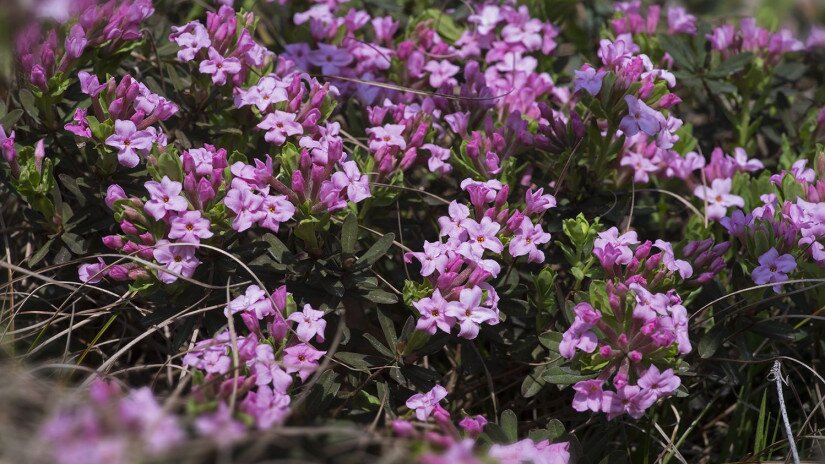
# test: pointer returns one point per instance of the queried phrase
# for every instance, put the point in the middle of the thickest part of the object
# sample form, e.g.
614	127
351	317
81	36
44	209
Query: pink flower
179	259
190	227
279	125
351	179
220	426
311	323
130	142
718	197
267	406
588	395
452	225
254	301
330	58
641	165
473	425
537	202
424	403
79	126
487	20
525	239
165	198
276	209
302	359
92	273
481	236
210	355
470	313
388	135
266	369
671	263
588	79
191	38
630	399
441	72
219	67
773	268
433	258
640	118
659	383
433	312
246	205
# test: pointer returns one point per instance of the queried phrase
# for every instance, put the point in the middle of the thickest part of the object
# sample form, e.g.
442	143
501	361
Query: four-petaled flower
130	142
773	268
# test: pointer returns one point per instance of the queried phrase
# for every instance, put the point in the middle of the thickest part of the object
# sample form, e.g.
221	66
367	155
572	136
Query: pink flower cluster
787	227
112	427
224	48
134	109
269	355
105	26
458	271
624	341
454	446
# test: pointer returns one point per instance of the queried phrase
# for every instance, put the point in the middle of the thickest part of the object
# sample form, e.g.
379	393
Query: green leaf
442	23
533	382
559	375
28	103
388	328
75	242
381	297
376	251
349	234
509	425
731	65
681	52
711	341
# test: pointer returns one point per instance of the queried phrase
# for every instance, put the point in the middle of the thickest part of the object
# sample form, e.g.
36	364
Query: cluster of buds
396	145
276	347
130	111
111	426
457	270
83	25
448	443
224	48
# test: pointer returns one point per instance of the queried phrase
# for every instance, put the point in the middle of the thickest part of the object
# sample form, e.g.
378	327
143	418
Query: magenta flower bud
501	217
147	238
298	183
190	183
622	340
437	439
128	228
205	191
130	248
418	135
114	193
605	351
620	380
515	221
668	101
251	322
138	273
717	265
146	252
442	416
501	196
409	158
653	261
75	42
123	86
119	273
278	328
705	277
116	108
39	155
402	428
311	119
473	425
820	118
634	356
47	56
113	242
38	76
646	90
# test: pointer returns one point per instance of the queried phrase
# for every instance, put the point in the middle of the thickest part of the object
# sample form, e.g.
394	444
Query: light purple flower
130	142
302	359
254	301
279	125
164	198
659	383
441	72
351	179
246	205
671	263
179	259
330	58
481	236
92	273
588	79
588	395
267	406
640	117
433	258
525	241
276	209
191	38
470	314
219	67
190	227
311	323
718	197
388	135
630	399
424	403
452	225
773	268
433	312
220	426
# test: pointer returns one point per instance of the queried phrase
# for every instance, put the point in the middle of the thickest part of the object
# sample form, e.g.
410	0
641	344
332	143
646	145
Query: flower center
480	239
434	313
178	258
166	199
301	358
190	227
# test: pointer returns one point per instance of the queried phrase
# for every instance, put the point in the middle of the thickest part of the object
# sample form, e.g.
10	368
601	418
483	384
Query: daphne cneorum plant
475	232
